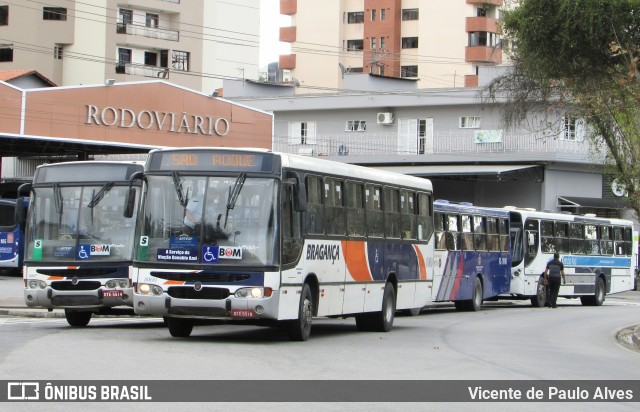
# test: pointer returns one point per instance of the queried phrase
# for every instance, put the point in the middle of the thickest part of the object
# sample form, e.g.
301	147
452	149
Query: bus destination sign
207	160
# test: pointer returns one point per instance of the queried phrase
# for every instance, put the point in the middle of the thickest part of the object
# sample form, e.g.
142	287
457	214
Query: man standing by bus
552	274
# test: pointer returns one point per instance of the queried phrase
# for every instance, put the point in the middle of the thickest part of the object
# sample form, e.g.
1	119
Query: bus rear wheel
76	318
179	327
540	298
598	297
383	321
300	329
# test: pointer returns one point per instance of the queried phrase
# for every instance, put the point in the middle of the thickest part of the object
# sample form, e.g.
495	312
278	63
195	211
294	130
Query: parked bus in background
472	259
12	214
598	254
274	238
78	242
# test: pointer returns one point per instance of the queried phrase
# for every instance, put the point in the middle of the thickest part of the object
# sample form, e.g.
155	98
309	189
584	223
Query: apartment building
191	43
438	43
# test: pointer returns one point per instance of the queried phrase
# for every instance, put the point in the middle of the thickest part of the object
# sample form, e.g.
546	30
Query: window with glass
356	126
6	54
467	232
425	216
409	43
606	240
591	243
547	237
375	216
493	239
54	13
315	208
355	17
180	60
453	232
576	233
562	237
211	220
334	206
291	227
408	212
355	45
479	233
4	15
355	209
503	230
409	71
80	223
392	213
410	14
440	226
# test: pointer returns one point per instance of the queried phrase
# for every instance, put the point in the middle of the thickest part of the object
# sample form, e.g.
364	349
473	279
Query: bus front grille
188	292
68	285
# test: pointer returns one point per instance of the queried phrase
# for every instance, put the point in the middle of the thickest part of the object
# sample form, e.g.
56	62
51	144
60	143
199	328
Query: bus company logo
229	252
100	250
23	391
323	252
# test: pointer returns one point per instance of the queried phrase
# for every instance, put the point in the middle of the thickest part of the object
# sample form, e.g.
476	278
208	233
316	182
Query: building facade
449	136
191	43
441	43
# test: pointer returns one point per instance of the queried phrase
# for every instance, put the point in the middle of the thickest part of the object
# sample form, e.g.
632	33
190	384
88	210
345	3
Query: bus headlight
112	284
123	283
35	284
255	293
147	289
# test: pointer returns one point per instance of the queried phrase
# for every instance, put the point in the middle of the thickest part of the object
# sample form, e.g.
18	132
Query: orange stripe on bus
421	264
174	282
55	278
355	256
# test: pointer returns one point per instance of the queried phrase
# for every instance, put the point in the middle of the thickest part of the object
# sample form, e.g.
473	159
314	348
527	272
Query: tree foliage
581	56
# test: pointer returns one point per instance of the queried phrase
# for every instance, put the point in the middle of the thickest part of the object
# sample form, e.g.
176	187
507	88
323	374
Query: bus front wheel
179	328
300	329
540	298
76	318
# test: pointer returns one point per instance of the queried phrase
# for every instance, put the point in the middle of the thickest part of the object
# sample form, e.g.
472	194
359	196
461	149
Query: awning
591	202
452	170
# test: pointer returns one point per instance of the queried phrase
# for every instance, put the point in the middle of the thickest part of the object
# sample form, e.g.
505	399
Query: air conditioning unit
385	118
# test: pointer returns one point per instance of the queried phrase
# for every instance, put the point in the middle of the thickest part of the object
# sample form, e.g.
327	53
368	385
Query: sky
270	22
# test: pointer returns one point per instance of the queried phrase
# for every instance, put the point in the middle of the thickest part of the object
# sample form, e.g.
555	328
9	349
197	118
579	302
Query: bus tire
383	321
475	304
597	299
76	318
300	329
540	297
179	327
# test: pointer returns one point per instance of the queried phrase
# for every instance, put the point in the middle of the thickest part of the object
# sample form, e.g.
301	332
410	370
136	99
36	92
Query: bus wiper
98	196
233	194
57	198
177	183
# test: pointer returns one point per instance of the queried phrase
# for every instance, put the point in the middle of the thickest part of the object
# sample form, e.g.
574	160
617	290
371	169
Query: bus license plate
243	313
107	294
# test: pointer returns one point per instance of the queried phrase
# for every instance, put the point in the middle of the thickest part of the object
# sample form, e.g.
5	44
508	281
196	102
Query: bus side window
393	224
453	233
440	228
562	237
577	238
547	238
291	227
355	209
479	233
592	244
467	232
628	241
408	212
503	229
425	218
493	240
606	240
334	207
315	208
375	217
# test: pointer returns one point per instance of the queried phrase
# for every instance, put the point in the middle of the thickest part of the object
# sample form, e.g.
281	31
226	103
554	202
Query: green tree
580	57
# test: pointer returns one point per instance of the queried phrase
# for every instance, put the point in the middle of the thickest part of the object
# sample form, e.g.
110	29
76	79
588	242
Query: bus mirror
129	202
299	191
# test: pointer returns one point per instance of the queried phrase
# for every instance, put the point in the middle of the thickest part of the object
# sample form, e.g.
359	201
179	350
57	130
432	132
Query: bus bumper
93	299
229	308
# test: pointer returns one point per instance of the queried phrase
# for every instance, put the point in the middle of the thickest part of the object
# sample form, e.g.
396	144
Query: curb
30	313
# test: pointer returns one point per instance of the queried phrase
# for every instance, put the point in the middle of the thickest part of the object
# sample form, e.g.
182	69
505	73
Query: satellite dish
618	188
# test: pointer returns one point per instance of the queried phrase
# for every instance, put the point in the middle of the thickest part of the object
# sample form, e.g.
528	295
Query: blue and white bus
599	255
12	215
274	238
472	259
79	245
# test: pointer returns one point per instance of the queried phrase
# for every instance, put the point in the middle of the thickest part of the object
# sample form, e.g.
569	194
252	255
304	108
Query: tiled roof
6	75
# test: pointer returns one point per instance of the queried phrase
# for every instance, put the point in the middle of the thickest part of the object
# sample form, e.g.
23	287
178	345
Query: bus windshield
209	220
79	223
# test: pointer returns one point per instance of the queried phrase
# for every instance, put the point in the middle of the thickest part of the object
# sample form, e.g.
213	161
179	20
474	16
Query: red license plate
243	313
106	294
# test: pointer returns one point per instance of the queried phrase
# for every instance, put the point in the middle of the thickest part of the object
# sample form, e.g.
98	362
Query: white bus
274	238
79	245
599	255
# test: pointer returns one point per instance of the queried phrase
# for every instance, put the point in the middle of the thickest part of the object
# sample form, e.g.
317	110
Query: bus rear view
78	242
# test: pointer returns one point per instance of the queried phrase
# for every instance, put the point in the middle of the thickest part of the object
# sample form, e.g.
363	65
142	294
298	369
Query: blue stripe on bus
597	261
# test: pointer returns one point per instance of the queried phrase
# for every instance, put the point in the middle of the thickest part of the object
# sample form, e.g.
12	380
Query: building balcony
497	3
465	143
288	7
483	54
287	61
288	34
142	70
145	31
481	24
